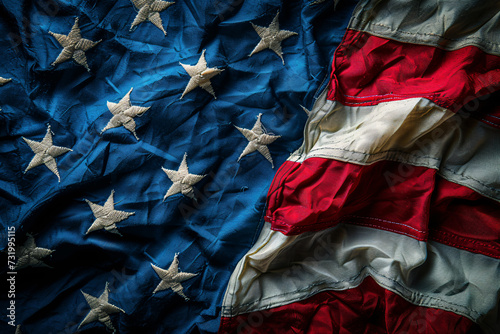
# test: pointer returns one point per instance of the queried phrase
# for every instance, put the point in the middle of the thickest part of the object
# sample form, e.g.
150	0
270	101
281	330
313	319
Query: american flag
250	166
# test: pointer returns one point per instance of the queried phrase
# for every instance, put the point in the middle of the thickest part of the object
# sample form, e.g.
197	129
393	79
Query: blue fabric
211	233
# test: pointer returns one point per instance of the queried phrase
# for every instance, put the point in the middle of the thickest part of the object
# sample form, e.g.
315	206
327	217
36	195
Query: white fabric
413	131
281	269
442	23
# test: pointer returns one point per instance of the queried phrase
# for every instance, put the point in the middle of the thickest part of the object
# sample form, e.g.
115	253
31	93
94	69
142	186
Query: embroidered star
172	278
45	153
123	114
149	10
18	330
100	309
29	255
74	46
200	76
258	140
106	215
271	38
3	81
183	182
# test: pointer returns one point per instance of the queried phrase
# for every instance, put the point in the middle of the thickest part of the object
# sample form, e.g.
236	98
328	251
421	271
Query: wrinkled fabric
367	309
397	179
280	270
448	24
211	232
369	70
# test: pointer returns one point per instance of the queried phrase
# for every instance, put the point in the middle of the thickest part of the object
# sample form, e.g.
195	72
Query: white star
29	255
45	153
3	81
183	182
124	113
200	76
106	216
271	37
172	278
257	140
149	10
100	309
74	46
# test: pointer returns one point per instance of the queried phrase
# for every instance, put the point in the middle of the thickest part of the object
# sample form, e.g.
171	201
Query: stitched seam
446	102
436	99
386	221
388	229
496	190
437	238
484	120
492	116
342	219
426	34
440	101
470	249
446	234
471	178
377	153
402	95
353	279
331	223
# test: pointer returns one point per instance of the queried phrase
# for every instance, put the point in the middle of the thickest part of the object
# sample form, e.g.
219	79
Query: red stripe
368	309
319	193
405	199
462	218
368	70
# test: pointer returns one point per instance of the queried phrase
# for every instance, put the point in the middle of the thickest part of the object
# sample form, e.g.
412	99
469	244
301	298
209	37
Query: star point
200	75
3	81
45	153
149	10
124	113
271	38
307	111
172	278
100	309
106	215
183	182
257	140
74	46
29	255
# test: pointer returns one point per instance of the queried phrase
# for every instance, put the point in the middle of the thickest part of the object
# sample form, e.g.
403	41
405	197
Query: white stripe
281	269
445	24
413	131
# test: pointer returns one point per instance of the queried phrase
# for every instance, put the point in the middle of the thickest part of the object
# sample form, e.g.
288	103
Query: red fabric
410	200
368	309
368	70
462	218
320	193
